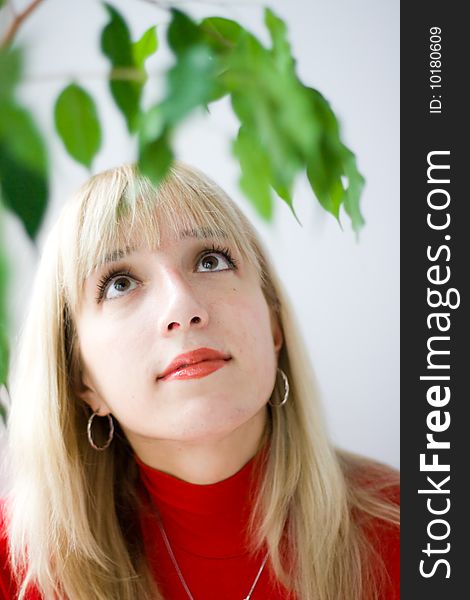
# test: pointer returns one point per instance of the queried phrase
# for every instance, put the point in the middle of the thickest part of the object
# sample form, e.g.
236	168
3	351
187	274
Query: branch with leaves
286	128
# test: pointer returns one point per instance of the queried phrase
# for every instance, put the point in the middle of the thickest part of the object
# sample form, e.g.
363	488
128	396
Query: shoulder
385	540
374	492
370	480
382	525
375	489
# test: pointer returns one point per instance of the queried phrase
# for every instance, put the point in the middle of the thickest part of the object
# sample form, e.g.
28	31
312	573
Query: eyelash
113	272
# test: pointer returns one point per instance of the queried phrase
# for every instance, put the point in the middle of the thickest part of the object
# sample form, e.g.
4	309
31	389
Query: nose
180	305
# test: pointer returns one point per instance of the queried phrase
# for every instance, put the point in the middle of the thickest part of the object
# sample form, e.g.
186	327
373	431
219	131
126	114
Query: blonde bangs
120	209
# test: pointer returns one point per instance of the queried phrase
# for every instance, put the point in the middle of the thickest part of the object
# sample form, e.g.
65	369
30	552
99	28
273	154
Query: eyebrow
198	233
116	255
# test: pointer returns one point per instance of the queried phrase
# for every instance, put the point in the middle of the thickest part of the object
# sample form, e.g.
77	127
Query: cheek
108	352
248	325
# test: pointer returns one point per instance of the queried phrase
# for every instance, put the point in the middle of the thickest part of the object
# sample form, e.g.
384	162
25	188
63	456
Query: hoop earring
110	435
286	389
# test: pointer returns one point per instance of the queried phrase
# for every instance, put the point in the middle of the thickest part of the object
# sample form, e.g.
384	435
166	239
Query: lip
196	363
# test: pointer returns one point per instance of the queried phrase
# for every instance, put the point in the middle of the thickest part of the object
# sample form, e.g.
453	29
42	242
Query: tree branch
116	74
17	22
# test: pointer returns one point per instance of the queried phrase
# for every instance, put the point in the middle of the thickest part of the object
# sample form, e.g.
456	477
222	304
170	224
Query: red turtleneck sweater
205	528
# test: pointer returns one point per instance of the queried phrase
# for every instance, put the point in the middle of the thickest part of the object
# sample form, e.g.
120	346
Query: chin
212	425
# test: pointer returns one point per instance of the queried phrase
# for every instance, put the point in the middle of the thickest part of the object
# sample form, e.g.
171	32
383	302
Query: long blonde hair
67	535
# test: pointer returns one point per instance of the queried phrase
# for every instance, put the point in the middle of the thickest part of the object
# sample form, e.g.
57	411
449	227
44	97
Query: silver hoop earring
286	389
110	435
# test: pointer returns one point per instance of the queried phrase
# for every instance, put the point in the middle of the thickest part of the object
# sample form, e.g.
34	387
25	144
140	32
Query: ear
87	392
276	329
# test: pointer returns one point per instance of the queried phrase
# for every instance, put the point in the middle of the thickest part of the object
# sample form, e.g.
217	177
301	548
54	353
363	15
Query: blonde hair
67	535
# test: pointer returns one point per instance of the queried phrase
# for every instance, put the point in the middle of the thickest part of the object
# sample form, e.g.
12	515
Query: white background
346	293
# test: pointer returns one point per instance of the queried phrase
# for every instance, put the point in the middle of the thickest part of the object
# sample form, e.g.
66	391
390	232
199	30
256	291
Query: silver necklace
180	574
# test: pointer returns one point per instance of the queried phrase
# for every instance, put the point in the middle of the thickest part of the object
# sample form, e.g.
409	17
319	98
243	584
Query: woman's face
142	310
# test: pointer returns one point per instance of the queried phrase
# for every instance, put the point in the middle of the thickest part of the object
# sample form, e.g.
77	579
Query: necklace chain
178	570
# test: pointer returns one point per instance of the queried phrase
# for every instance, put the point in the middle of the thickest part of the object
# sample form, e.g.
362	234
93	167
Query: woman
165	436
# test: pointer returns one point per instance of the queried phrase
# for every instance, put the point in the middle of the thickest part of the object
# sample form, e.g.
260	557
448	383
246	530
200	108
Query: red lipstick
195	364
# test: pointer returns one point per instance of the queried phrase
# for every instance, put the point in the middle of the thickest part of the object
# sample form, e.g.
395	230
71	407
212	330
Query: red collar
204	520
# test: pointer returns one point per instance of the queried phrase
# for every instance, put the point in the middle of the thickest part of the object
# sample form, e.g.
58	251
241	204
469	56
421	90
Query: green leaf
252	70
221	34
280	51
127	95
152	125
77	124
117	46
18	132
190	84
268	110
155	158
145	47
354	190
324	174
275	107
323	113
24	191
3	414
255	177
23	162
248	56
116	40
182	33
330	163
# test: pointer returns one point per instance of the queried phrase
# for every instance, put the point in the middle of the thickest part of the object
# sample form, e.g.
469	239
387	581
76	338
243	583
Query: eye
115	285
216	260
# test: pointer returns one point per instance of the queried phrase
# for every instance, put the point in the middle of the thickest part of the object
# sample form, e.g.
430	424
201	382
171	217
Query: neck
204	461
